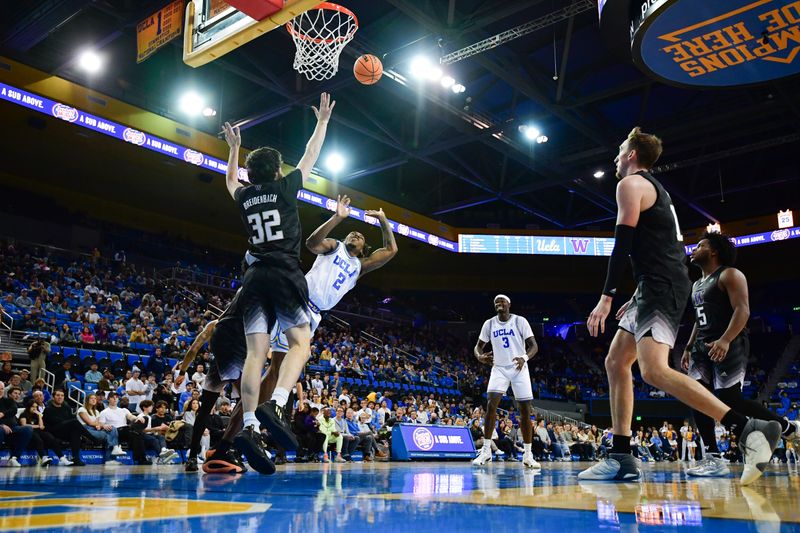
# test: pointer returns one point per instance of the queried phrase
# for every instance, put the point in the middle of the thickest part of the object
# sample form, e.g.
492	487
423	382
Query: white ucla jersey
507	338
332	276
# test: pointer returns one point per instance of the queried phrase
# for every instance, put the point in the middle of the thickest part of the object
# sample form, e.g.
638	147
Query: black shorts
230	351
271	294
657	309
723	374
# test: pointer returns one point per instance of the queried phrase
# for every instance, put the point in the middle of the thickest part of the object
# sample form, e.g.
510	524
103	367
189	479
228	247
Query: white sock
280	396
251	420
487	444
526	446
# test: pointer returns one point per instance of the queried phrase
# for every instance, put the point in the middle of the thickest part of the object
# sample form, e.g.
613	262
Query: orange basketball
368	69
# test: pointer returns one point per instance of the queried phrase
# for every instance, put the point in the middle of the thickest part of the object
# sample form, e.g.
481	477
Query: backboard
213	28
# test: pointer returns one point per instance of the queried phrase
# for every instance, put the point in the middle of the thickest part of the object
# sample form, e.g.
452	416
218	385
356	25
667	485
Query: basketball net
320	34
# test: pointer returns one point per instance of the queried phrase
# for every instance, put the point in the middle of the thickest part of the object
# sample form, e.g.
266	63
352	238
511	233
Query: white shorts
520	381
278	341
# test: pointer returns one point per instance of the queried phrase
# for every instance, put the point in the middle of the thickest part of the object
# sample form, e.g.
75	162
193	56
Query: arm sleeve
484	336
623	243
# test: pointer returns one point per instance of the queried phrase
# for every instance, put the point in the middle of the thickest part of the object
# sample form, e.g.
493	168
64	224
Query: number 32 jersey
508	338
269	213
332	276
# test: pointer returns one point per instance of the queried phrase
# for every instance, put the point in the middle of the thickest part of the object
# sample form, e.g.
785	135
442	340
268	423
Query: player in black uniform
719	347
648	231
273	288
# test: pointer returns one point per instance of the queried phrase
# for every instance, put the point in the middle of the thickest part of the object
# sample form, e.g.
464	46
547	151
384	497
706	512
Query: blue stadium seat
69	351
115	356
99	354
84	353
55	348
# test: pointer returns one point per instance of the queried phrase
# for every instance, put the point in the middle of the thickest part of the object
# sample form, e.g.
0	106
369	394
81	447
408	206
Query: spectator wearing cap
135	389
24	380
92	315
23	300
93	375
38	352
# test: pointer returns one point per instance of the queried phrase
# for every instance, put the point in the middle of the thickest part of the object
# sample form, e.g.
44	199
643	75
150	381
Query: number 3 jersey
508	338
269	213
332	276
712	307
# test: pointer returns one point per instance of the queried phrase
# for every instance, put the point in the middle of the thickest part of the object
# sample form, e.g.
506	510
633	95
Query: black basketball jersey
269	213
658	250
712	307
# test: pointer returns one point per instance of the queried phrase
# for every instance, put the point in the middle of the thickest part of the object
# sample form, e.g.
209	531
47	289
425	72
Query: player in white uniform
513	345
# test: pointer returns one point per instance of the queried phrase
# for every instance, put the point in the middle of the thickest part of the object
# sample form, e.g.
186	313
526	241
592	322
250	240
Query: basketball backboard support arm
209	35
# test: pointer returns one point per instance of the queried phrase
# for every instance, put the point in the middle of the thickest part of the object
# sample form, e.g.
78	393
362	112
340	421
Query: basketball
368	69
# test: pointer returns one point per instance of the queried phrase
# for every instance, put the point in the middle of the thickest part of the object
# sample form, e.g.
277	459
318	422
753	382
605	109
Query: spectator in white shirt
199	376
135	389
344	396
92	315
317	384
119	417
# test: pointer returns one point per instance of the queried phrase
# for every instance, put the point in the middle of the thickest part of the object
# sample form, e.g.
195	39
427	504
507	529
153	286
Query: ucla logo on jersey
503	332
345	265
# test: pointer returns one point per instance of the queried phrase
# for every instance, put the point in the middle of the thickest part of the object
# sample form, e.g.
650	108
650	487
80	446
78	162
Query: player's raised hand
325	109
379	214
232	135
342	206
597	319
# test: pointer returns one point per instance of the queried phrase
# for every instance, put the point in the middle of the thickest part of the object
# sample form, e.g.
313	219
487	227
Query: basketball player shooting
513	345
648	231
273	288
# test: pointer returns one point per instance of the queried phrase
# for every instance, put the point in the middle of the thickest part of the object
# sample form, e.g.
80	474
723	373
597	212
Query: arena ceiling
729	154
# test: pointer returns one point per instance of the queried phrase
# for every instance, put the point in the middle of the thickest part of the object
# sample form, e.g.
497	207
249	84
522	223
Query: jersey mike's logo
370	220
402	229
242	175
65	112
330	204
134	136
779	235
433	240
195	158
423	439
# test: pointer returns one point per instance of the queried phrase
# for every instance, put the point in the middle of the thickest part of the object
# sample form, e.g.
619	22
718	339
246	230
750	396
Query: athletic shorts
726	373
520	381
279	342
657	309
229	347
271	294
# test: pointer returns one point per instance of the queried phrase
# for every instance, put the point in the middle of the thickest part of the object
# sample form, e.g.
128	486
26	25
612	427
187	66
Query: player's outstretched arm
198	343
318	242
234	139
383	255
314	145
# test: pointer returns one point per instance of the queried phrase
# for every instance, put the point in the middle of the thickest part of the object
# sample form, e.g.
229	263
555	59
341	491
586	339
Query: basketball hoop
320	34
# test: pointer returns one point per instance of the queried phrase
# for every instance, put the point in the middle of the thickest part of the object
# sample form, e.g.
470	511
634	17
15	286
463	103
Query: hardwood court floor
410	497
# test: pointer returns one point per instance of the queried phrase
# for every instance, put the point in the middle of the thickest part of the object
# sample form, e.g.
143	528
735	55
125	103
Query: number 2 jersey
269	213
507	338
332	276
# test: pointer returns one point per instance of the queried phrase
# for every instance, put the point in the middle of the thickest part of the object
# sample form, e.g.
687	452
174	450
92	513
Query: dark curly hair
723	245
262	164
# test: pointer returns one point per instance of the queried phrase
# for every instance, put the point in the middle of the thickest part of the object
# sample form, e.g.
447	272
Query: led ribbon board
467	243
156	144
713	43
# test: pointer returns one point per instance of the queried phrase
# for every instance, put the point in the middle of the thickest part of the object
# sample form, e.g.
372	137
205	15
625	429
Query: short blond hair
648	147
